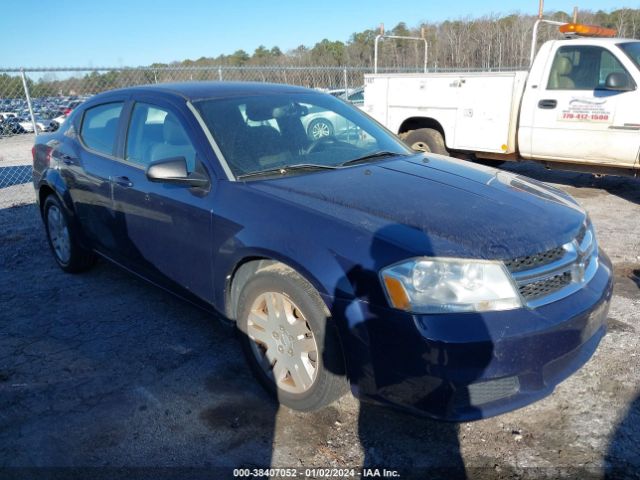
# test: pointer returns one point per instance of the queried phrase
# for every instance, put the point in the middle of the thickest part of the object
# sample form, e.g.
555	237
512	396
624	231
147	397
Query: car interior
257	134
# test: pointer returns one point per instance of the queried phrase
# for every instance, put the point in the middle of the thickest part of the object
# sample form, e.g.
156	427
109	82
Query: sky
92	33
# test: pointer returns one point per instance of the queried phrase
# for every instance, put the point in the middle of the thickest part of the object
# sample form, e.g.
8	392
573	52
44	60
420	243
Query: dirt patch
585	192
627	280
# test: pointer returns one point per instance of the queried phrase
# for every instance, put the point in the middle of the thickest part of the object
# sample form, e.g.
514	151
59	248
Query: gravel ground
104	370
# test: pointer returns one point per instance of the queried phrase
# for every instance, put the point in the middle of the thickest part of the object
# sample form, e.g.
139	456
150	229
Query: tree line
490	41
485	42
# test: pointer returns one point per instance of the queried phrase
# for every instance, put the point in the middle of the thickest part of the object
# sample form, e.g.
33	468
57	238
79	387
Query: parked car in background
355	96
343	260
63	112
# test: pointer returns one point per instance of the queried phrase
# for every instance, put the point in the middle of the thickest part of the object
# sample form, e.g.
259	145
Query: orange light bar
587	30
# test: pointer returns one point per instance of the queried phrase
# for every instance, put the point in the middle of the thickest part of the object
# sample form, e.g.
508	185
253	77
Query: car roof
198	90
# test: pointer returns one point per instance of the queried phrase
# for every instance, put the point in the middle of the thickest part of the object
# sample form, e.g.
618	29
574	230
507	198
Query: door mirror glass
619	81
174	170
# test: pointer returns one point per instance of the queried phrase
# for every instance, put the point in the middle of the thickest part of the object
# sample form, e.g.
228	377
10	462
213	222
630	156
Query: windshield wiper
372	156
287	169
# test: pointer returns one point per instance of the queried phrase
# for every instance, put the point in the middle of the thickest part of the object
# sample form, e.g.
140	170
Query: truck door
577	119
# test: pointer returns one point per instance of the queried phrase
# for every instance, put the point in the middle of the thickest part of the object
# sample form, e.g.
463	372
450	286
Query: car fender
52	180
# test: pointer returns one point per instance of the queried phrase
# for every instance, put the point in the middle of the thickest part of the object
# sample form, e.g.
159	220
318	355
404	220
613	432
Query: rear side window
100	127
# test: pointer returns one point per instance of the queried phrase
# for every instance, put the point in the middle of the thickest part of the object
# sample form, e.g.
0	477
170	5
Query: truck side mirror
619	81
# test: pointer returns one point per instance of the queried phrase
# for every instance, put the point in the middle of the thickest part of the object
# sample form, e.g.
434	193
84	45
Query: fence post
220	73
26	93
346	84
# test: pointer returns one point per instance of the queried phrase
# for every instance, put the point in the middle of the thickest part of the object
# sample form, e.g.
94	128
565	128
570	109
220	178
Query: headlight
441	285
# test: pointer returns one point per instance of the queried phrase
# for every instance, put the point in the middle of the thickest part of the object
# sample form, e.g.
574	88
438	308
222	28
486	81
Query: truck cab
577	107
581	103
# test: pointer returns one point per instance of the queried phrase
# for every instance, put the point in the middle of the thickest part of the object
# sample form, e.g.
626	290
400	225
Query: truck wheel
426	140
289	340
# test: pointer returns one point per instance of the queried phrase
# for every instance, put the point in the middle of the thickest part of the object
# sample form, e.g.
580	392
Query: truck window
632	49
582	67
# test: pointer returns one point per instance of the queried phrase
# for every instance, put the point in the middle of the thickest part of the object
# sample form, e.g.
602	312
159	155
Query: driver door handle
68	159
547	104
122	181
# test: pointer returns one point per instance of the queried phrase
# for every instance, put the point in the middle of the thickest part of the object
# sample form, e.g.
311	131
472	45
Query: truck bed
478	111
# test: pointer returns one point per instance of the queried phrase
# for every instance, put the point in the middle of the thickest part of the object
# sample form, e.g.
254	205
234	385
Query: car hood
439	206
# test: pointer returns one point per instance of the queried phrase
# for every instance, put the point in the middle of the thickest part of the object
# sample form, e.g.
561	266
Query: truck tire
426	140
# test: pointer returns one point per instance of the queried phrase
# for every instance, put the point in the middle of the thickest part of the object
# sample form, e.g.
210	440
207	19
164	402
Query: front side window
157	134
261	133
100	127
582	67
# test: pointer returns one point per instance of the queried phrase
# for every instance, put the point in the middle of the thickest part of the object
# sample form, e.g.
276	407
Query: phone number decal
586	110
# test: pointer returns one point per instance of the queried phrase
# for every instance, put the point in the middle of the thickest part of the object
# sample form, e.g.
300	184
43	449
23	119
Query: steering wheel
320	143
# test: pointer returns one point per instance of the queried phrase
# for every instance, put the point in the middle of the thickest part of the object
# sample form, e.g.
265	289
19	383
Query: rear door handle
68	159
122	181
548	104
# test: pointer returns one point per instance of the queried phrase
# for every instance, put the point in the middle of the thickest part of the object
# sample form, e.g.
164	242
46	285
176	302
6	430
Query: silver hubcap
59	234
283	343
420	147
320	130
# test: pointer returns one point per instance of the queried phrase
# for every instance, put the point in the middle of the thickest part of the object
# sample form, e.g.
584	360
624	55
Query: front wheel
68	253
289	341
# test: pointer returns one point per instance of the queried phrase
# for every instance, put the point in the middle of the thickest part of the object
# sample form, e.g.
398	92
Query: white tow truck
577	107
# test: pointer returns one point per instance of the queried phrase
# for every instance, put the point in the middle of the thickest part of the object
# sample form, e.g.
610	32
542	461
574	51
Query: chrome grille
557	273
531	261
544	287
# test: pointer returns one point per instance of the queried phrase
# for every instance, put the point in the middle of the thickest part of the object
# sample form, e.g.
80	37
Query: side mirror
618	81
174	170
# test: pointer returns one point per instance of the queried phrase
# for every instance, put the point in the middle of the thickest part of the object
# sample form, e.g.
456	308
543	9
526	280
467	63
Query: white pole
26	92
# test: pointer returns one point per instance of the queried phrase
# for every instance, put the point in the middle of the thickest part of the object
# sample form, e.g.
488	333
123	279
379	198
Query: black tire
79	258
330	381
426	140
319	128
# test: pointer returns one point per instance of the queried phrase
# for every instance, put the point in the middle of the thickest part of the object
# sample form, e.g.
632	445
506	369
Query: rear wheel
290	345
69	255
426	140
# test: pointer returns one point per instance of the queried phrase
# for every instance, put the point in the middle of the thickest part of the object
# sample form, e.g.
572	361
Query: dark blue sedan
418	280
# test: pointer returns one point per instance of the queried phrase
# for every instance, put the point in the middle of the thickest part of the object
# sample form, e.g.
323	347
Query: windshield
632	49
271	132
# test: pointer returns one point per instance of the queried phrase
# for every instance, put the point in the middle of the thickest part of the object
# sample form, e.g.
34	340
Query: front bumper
468	366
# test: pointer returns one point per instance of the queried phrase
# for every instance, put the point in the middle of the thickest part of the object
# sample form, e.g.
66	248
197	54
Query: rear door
576	119
164	230
88	170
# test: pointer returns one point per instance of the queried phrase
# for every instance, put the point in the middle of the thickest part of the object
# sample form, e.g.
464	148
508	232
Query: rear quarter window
100	126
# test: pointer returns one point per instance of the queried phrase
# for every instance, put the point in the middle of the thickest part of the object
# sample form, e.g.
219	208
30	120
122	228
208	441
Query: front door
577	119
164	230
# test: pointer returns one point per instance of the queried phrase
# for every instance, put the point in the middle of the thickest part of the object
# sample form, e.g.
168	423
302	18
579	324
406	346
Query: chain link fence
37	100
34	101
